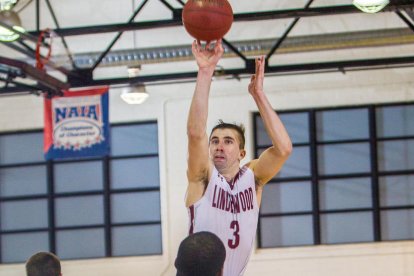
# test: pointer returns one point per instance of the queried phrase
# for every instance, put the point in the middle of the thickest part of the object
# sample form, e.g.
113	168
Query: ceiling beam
340	66
251	16
334	66
44	79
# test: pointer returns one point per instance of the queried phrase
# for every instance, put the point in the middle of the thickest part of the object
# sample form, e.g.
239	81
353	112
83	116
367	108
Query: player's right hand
207	57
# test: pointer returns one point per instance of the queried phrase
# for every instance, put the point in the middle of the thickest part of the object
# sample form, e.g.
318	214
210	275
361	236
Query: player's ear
242	153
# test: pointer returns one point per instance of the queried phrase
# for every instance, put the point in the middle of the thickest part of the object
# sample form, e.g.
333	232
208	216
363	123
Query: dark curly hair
200	254
43	264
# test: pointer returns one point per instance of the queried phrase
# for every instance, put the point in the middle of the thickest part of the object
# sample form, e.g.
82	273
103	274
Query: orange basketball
207	20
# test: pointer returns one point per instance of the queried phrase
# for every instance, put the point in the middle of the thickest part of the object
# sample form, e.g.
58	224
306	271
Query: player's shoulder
251	164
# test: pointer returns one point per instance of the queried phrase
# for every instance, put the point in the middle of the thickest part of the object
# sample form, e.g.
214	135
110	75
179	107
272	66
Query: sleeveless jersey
230	211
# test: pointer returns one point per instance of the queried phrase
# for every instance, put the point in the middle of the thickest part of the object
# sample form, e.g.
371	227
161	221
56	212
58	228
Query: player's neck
229	173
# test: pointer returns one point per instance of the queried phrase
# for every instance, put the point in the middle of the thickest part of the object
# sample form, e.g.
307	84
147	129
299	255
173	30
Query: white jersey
230	211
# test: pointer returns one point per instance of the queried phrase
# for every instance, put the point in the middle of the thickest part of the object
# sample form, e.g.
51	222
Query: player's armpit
196	188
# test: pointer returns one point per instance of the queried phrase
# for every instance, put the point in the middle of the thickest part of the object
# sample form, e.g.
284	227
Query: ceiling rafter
238	17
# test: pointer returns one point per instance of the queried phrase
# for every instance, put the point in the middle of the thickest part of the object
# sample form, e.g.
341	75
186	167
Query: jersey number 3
233	243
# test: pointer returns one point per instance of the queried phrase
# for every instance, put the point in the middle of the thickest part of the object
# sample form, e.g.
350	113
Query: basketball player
200	254
43	264
223	197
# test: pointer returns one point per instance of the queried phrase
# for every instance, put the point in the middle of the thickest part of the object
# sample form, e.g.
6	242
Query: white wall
230	101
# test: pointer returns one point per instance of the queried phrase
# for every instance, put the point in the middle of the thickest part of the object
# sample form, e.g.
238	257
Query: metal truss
12	70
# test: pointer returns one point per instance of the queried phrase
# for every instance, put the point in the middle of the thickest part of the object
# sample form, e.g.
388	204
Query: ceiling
126	42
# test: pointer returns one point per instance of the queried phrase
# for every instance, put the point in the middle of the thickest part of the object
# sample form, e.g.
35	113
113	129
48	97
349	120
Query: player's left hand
256	81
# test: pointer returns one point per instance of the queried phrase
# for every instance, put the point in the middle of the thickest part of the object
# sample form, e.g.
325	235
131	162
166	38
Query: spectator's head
200	254
43	264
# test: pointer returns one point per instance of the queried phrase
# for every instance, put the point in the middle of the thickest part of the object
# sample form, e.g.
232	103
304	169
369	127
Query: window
86	208
349	179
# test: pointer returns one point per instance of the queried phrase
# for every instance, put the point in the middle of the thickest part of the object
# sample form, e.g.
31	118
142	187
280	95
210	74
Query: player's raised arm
198	155
272	159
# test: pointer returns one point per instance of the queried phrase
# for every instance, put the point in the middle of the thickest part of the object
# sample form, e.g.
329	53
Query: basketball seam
217	12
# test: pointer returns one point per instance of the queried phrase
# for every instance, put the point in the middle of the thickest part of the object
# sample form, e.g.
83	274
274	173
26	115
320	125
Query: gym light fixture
135	94
370	6
6	5
9	21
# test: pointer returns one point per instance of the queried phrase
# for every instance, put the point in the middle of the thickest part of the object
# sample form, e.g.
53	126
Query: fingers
252	80
218	48
260	61
256	80
257	66
219	43
252	84
208	45
195	47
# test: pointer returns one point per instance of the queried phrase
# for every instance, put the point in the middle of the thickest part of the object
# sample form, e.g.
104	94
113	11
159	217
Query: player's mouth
218	158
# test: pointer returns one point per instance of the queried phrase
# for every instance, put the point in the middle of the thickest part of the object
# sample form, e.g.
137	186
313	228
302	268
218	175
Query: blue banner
76	125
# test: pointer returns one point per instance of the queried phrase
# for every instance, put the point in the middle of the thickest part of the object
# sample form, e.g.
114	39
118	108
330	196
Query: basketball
207	20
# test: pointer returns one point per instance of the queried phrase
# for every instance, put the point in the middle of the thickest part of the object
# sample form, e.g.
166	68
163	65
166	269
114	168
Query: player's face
225	148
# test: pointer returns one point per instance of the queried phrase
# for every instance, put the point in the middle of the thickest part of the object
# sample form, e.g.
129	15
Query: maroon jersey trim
191	231
237	176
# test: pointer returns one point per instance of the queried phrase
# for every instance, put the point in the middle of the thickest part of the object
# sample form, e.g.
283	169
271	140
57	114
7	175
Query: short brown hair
43	264
239	128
